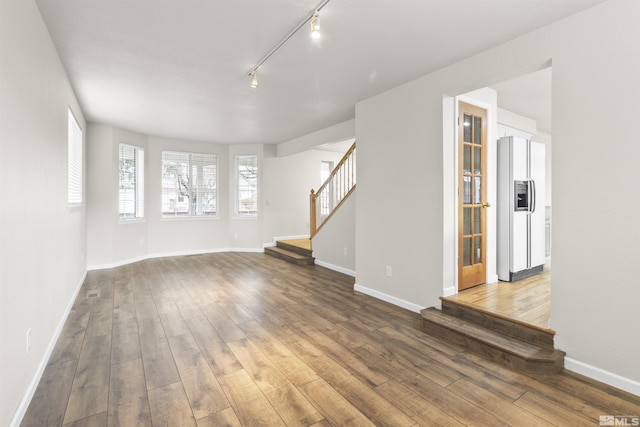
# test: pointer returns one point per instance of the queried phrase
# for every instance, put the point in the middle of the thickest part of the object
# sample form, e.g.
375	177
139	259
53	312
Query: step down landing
294	251
492	339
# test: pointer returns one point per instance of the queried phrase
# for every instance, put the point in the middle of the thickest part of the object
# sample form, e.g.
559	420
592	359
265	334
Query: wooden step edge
293	248
289	255
497	341
500	316
283	251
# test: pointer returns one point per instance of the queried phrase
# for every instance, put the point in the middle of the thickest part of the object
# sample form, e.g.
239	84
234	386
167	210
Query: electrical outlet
28	340
345	252
389	271
142	241
235	235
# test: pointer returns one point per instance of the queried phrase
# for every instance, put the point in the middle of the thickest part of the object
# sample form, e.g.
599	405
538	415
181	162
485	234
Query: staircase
322	205
510	342
333	192
296	251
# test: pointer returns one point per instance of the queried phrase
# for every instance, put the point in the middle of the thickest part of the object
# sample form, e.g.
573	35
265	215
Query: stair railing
332	193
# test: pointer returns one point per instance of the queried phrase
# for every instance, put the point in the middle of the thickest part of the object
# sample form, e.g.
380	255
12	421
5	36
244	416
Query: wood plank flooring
244	339
528	300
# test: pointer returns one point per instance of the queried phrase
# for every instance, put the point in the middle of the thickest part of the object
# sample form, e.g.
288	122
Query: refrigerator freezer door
518	257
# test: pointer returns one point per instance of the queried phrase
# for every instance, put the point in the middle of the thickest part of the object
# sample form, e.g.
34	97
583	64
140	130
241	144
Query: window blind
74	161
246	167
131	191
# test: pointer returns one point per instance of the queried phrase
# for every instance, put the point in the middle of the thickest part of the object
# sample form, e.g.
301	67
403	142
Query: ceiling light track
313	16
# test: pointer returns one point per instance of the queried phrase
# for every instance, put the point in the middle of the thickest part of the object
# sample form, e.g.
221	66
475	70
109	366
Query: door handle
486	205
532	207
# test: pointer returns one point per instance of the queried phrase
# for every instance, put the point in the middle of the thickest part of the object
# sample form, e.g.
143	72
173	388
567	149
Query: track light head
254	79
315	26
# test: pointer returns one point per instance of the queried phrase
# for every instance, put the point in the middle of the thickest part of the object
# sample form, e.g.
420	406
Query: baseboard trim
336	268
388	298
603	376
33	385
451	290
169	254
251	250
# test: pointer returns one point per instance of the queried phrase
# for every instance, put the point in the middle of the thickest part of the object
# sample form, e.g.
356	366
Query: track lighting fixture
254	79
313	16
315	26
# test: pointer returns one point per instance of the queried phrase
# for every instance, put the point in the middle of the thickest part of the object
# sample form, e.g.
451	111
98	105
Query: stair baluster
332	193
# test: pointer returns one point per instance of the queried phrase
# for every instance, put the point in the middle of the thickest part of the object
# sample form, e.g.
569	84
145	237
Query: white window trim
190	216
75	169
138	202
236	201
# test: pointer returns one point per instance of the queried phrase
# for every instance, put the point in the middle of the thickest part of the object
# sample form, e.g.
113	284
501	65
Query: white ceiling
177	68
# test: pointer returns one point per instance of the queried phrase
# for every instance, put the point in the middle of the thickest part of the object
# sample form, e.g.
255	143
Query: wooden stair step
496	346
290	256
295	246
527	332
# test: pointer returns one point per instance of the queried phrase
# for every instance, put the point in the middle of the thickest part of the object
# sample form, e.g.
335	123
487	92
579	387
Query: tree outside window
131	191
189	184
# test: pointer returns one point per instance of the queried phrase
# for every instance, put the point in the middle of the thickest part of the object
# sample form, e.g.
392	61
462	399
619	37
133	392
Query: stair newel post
312	213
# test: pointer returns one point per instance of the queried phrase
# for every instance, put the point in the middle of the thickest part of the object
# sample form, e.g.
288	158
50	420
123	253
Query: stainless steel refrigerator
521	208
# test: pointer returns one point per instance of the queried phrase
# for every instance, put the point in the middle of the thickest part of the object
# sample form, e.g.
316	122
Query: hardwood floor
528	300
244	339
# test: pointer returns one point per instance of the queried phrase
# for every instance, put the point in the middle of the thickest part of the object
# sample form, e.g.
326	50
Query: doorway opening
521	107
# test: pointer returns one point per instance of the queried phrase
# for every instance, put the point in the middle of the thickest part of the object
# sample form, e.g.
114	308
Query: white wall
334	246
336	133
283	200
108	240
114	242
595	87
287	183
42	243
180	236
245	234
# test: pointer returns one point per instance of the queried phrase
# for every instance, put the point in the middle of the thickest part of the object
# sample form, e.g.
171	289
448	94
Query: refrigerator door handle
532	204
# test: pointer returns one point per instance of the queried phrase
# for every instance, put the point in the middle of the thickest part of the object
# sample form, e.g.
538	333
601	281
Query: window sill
75	207
132	221
190	218
246	217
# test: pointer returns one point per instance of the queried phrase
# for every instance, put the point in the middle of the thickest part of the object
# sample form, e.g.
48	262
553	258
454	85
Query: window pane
477	255
477	130
127	181
477	190
466	159
477	160
175	183
204	191
466	126
131	192
74	161
139	183
466	221
466	181
466	252
189	184
246	185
